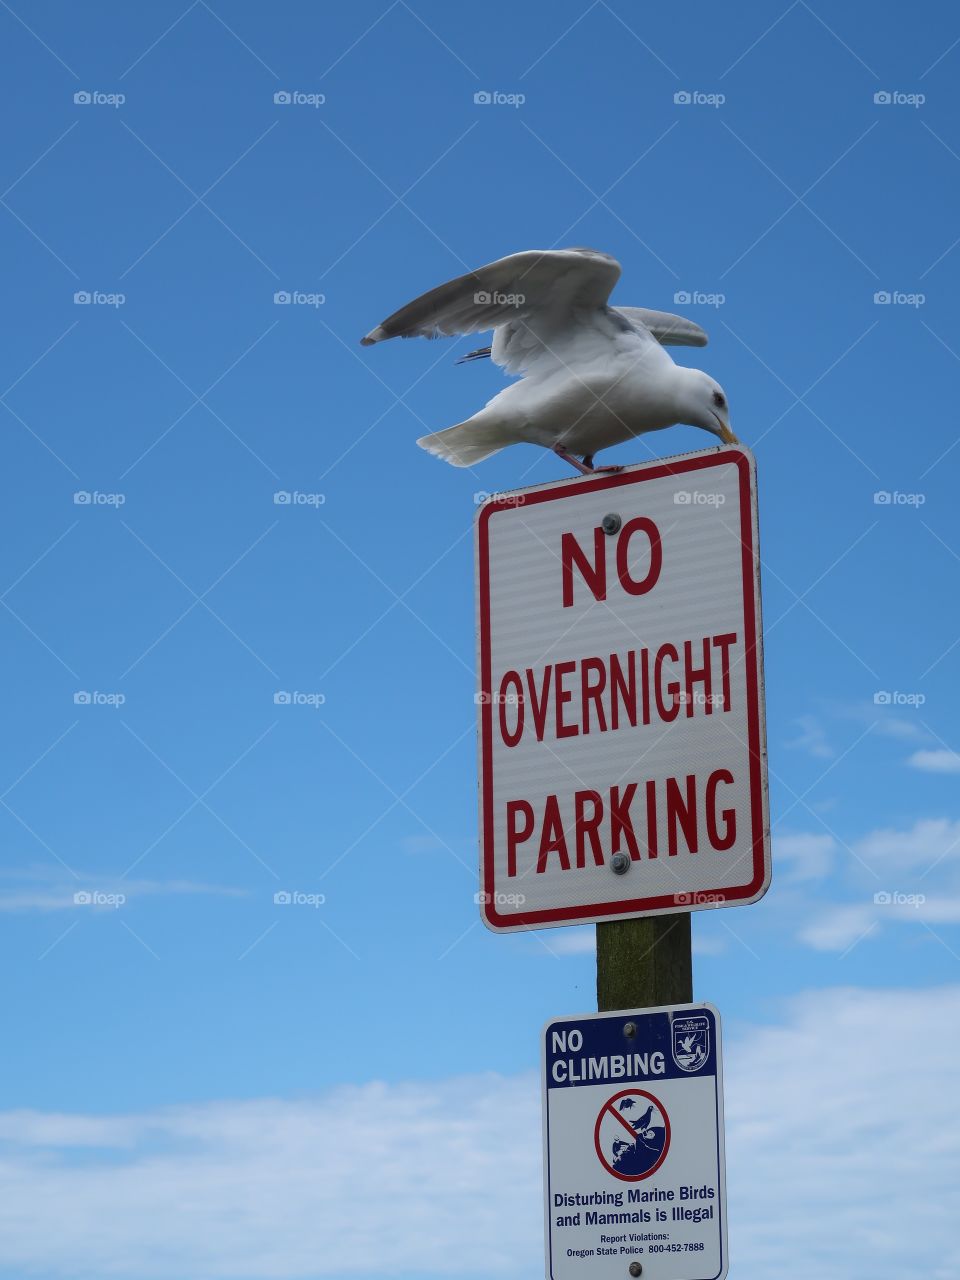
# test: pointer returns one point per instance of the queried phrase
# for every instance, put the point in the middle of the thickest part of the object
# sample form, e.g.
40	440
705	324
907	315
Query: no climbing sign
633	1146
622	742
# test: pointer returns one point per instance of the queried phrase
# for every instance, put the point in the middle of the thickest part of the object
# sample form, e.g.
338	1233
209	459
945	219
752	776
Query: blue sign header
631	1047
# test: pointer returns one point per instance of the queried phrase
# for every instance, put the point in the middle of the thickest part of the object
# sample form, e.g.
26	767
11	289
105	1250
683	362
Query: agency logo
690	1042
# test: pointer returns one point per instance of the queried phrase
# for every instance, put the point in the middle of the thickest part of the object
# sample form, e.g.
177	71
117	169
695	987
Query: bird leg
567	456
585	467
588	462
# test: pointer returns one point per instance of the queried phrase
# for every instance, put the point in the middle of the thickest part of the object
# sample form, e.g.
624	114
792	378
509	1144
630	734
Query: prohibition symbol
632	1135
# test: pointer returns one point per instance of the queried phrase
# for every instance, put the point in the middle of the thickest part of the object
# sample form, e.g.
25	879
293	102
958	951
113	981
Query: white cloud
926	844
842	1151
905	876
707	944
938	910
839	928
808	856
419	1178
939	761
572	942
881	719
896	727
842	1138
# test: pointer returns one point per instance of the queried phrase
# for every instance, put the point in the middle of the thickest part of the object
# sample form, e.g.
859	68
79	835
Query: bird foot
585	467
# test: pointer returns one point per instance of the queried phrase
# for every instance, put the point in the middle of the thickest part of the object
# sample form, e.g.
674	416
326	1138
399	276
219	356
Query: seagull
593	375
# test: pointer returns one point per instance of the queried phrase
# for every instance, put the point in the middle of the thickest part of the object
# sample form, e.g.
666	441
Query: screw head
636	1269
610	524
629	1030
620	862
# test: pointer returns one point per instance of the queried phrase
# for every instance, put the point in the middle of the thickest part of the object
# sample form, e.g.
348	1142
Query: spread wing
669	331
538	288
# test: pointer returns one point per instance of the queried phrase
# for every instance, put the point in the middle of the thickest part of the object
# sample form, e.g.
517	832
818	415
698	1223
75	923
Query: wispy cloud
907	876
816	1124
936	761
808	855
838	928
811	738
437	1178
928	843
883	715
574	942
43	888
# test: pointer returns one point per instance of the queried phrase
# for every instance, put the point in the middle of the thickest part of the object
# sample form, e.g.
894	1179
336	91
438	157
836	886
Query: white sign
633	1145
622	744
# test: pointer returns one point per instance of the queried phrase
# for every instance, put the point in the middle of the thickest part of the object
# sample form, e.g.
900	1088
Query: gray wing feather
521	285
669	331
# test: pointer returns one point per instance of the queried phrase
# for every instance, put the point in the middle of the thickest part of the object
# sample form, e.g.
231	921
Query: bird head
703	403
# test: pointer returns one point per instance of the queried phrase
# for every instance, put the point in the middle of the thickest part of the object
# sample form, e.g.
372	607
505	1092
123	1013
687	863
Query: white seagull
592	375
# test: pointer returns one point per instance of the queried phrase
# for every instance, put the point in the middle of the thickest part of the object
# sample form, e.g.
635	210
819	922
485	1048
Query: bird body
592	375
643	1123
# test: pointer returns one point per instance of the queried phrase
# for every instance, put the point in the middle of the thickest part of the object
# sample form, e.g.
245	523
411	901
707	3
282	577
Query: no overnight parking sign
633	1145
621	724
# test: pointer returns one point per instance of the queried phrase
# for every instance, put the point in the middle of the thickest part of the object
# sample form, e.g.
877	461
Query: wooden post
644	963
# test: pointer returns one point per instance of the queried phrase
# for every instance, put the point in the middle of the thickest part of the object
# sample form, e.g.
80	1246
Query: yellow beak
727	436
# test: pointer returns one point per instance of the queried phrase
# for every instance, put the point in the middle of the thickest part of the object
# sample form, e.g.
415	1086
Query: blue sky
786	203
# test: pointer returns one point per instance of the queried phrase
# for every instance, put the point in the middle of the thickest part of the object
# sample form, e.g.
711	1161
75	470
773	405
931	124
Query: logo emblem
691	1042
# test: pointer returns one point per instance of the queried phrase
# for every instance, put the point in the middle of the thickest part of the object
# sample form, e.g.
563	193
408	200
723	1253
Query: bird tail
479	354
466	443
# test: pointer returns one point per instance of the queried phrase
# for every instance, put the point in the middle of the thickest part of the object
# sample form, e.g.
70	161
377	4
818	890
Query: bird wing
525	287
669	331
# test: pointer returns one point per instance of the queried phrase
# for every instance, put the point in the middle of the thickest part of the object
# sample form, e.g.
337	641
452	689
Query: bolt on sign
634	1180
621	723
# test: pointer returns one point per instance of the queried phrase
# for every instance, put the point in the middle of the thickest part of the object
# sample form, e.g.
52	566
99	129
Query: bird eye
718	399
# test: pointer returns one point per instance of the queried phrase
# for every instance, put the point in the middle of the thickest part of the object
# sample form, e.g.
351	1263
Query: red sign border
587	913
